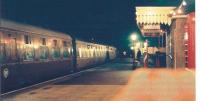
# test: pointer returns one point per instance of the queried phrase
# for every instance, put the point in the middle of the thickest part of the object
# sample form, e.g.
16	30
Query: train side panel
28	58
89	54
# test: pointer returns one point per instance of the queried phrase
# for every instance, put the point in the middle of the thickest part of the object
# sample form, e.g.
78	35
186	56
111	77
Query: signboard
151	26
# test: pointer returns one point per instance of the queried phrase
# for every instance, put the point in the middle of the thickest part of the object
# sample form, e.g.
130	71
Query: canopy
154	15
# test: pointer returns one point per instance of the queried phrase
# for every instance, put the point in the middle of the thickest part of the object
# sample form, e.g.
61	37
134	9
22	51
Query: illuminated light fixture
174	13
184	3
133	37
171	12
132	48
179	11
150	13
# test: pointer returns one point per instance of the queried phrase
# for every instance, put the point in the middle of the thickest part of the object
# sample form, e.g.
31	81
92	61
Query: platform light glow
179	11
174	13
138	44
171	12
132	48
184	3
133	37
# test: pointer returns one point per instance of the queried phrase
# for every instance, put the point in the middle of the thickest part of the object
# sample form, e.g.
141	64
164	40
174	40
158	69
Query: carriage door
12	47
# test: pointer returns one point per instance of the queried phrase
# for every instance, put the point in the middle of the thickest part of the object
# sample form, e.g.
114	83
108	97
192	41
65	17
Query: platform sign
151	26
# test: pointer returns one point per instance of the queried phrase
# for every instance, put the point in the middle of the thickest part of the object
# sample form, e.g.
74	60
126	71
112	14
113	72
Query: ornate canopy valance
153	15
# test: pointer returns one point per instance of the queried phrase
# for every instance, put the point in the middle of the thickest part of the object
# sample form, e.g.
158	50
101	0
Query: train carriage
89	54
29	55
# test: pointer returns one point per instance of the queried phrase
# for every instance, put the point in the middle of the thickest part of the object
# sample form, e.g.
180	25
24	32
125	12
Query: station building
174	27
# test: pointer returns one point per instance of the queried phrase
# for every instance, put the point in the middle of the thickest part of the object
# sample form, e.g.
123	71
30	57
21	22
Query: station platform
115	81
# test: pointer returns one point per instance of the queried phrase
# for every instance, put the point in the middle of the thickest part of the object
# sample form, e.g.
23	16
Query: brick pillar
177	33
191	40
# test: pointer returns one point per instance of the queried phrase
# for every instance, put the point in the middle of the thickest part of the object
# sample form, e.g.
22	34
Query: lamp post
146	55
133	38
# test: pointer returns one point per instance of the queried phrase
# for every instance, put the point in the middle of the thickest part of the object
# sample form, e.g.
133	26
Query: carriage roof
31	29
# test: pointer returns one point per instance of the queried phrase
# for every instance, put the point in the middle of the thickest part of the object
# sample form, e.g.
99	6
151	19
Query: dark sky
107	21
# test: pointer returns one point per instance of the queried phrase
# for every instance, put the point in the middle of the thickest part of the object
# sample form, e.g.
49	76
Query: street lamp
184	3
132	47
133	37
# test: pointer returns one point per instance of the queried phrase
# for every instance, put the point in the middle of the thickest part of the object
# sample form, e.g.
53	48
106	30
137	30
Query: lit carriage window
66	52
79	53
1	52
28	50
55	50
2	47
43	51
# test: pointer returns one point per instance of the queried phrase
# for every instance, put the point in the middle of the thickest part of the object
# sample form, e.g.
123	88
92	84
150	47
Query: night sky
106	21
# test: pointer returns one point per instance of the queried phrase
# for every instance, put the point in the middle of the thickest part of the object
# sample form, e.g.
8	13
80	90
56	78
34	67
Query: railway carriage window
43	49
1	49
28	53
55	50
80	52
83	53
87	52
91	52
77	53
66	50
1	52
94	52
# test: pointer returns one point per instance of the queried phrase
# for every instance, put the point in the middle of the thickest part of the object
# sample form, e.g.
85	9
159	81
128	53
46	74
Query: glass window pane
55	52
28	53
65	52
1	52
43	51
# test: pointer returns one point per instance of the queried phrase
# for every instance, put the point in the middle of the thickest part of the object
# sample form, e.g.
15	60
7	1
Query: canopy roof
153	15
